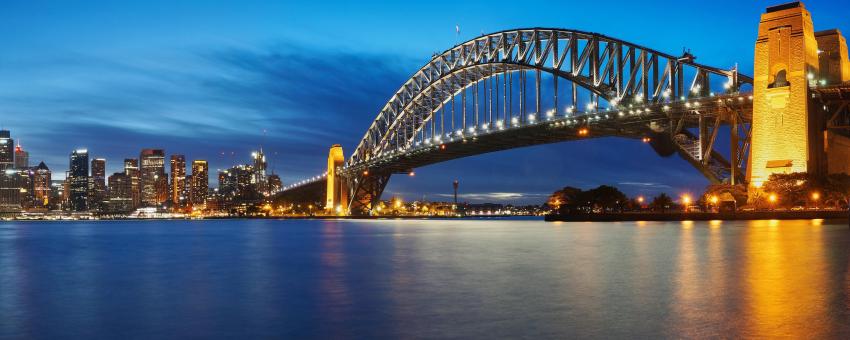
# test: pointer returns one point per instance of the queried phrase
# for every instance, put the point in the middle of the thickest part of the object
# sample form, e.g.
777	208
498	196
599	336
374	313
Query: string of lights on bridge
577	120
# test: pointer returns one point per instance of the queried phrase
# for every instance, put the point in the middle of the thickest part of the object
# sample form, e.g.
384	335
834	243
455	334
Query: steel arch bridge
540	85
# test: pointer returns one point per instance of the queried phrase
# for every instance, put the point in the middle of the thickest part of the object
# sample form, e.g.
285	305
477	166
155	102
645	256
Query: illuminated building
178	180
120	199
131	169
274	183
21	158
259	172
200	183
97	186
7	150
78	180
41	185
154	181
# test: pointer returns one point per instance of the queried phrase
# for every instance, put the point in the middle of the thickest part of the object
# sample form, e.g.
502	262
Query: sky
216	79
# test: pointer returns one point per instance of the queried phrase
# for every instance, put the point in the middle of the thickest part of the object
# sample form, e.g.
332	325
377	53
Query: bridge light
365	172
639	97
459	132
823	82
666	93
550	113
810	76
570	109
532	117
514	121
499	124
713	199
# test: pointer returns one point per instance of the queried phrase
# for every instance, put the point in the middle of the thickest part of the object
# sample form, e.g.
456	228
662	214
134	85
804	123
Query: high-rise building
42	185
7	150
274	183
11	182
120	194
178	181
22	158
200	182
131	169
78	176
97	185
154	182
258	176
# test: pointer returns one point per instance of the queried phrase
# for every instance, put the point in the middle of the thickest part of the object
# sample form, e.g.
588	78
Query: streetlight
686	200
772	199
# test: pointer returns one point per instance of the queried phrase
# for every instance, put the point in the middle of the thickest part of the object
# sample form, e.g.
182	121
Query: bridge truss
532	86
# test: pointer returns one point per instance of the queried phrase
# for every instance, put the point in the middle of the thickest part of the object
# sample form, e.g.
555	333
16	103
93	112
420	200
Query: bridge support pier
365	191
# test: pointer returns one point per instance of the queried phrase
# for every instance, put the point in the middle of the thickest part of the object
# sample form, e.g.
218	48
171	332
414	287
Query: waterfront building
154	181
120	199
41	186
200	182
78	175
11	182
178	181
97	187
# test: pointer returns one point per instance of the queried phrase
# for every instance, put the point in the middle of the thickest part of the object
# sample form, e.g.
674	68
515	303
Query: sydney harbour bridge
533	86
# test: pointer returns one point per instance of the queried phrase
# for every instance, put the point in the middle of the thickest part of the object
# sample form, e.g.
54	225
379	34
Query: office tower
97	184
120	198
258	176
42	185
22	158
154	183
200	182
78	180
274	183
178	180
131	169
11	182
7	150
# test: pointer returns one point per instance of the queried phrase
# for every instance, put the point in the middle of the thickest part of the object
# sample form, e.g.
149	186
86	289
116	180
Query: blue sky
214	79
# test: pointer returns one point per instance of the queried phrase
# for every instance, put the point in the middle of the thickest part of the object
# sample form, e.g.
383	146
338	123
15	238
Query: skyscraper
22	158
10	183
97	187
41	185
258	177
7	150
200	182
178	180
78	176
154	183
120	194
131	169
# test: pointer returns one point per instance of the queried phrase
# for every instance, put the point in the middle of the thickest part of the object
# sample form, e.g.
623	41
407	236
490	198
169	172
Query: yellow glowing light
772	198
815	196
640	199
713	199
686	199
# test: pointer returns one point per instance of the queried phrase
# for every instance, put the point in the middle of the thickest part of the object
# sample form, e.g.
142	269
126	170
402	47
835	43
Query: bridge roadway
644	121
657	121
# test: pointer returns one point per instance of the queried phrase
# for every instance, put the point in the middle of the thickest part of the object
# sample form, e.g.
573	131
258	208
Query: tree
605	198
661	203
738	192
564	198
790	189
837	190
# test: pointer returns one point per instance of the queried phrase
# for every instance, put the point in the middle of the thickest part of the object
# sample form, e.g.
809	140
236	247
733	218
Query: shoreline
699	216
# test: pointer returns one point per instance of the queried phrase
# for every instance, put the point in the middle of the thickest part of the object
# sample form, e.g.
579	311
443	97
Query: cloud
201	102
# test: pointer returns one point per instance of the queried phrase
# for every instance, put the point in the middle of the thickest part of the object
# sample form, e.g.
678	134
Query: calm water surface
424	279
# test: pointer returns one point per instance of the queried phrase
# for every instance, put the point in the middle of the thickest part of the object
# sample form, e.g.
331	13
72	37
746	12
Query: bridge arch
609	69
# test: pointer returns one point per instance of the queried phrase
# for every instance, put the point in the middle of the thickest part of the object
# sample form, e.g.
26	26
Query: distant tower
97	185
178	180
22	158
786	133
154	181
200	183
259	172
455	185
78	180
7	150
337	193
131	169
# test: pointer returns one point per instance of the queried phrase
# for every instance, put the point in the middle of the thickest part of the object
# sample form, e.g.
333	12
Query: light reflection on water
425	278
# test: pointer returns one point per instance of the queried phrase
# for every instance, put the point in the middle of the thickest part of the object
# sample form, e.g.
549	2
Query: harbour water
509	278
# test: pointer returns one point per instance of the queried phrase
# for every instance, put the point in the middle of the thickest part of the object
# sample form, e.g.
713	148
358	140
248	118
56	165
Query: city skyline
215	94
